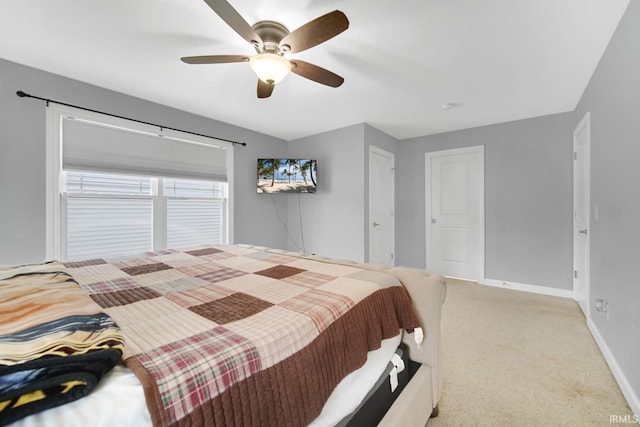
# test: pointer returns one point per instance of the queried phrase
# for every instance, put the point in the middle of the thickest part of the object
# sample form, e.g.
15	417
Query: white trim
159	214
53	230
632	398
230	198
479	150
536	289
392	225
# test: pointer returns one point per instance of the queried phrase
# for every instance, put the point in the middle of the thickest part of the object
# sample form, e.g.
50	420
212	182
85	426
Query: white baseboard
564	293
632	398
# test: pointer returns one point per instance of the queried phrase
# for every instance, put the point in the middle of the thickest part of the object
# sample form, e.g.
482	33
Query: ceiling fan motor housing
271	33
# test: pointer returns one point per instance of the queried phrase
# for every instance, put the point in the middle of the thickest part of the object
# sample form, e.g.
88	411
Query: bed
228	335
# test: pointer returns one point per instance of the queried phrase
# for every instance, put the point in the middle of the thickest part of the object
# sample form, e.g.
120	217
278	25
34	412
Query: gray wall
333	218
22	158
612	98
528	198
255	217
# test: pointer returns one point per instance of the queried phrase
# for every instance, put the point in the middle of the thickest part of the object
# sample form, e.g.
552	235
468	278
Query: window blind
110	227
192	222
97	147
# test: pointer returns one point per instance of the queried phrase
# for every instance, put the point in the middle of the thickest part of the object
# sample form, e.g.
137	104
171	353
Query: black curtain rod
22	94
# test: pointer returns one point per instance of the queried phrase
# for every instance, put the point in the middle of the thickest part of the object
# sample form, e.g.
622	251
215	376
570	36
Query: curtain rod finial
21	94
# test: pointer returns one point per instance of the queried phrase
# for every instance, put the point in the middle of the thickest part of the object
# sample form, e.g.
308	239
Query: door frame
478	150
392	198
584	271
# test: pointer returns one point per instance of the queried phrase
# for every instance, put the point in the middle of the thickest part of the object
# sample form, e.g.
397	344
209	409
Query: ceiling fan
272	41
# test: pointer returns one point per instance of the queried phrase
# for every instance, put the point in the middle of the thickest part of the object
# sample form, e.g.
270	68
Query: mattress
119	398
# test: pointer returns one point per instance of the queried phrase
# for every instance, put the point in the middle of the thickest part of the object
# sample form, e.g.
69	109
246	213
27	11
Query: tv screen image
286	176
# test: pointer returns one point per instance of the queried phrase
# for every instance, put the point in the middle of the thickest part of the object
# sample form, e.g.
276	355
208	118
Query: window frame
56	186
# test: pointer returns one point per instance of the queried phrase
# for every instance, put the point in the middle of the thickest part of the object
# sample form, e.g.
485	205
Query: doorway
455	212
381	205
581	212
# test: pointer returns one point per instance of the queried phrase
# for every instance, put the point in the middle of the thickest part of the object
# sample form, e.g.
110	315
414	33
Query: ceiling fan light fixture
270	67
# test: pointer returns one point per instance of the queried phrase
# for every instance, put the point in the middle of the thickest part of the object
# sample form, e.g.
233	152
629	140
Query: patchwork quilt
243	336
56	343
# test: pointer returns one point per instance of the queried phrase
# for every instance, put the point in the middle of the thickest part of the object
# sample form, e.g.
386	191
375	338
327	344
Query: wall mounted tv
277	176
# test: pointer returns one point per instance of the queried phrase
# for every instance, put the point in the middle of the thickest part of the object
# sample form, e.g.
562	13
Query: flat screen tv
276	176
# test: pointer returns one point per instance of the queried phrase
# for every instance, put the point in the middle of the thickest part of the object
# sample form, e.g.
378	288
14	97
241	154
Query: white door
455	212
381	202
581	214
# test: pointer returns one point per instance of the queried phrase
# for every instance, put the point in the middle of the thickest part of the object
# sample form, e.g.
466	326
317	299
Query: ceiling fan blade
265	89
234	20
315	32
315	73
214	59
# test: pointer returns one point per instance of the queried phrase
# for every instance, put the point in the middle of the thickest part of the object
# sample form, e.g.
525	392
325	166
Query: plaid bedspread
243	336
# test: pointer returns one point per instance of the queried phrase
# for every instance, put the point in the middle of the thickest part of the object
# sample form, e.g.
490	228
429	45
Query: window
106	215
118	191
195	212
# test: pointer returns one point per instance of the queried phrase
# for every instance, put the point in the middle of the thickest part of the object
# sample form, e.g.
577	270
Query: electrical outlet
602	305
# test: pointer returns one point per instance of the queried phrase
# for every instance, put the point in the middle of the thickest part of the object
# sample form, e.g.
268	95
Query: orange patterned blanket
55	342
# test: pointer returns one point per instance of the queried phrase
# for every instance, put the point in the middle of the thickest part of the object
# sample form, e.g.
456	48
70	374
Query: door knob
375	224
583	231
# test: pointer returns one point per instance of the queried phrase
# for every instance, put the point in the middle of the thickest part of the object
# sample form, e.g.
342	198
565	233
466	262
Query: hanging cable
301	229
22	94
284	225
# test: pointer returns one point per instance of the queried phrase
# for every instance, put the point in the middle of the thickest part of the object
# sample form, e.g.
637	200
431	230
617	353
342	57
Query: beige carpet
520	359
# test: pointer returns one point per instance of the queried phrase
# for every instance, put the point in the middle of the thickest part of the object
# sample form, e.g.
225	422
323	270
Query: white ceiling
500	60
